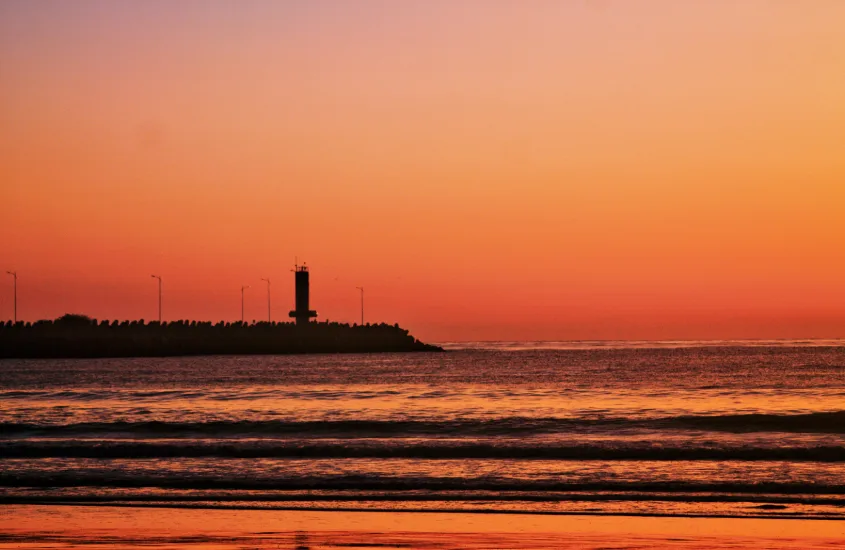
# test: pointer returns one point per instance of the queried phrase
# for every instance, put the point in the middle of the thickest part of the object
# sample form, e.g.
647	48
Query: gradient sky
590	169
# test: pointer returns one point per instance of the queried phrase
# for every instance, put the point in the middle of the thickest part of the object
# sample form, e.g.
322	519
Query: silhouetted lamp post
159	296
269	317
242	302
15	275
362	303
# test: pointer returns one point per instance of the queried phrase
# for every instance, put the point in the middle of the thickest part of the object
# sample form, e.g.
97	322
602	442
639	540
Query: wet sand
54	527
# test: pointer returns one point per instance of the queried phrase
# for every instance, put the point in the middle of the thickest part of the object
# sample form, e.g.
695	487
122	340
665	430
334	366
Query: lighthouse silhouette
302	314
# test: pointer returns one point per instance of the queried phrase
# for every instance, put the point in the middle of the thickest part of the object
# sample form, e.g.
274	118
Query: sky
485	169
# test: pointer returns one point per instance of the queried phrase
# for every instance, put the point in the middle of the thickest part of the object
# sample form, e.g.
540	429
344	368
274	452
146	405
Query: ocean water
712	429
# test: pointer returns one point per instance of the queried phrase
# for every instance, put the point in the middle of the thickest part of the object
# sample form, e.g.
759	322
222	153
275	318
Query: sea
727	429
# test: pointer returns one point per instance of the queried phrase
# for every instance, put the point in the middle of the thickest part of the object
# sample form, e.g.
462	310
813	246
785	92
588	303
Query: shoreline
448	511
51	527
435	349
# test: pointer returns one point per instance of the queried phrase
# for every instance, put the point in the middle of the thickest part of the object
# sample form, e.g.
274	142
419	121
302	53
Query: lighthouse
302	314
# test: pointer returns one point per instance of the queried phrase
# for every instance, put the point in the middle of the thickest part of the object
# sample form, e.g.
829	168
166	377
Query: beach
54	527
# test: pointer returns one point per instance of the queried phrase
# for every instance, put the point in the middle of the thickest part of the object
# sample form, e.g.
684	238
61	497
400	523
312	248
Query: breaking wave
418	450
416	485
818	422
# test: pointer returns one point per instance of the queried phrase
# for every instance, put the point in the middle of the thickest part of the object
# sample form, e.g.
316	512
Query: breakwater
80	336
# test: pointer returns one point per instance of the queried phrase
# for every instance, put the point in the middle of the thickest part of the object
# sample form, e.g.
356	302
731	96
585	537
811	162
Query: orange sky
485	169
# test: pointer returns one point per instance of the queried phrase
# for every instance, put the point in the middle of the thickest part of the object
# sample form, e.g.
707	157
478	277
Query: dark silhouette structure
302	313
159	295
82	336
15	275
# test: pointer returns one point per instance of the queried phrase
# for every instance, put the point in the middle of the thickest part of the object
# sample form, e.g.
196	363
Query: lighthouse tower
302	314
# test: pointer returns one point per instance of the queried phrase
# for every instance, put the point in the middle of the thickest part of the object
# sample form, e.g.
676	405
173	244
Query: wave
818	422
210	394
412	485
443	450
794	494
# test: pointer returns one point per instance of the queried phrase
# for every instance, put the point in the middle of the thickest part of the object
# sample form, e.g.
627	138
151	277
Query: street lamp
159	296
269	317
362	303
15	275
242	302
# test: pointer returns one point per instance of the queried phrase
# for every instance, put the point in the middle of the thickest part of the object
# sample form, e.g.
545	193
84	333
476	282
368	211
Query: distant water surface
735	429
520	345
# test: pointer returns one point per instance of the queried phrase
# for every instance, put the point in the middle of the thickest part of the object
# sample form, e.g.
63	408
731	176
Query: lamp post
244	287
15	275
269	316
362	303
159	296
